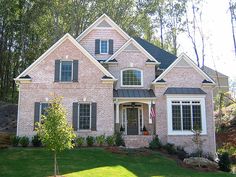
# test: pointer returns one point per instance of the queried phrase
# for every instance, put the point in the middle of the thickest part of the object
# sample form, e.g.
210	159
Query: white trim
136	44
138	118
100	19
135	69
90	117
72	67
58	43
100	46
190	62
18	113
199	98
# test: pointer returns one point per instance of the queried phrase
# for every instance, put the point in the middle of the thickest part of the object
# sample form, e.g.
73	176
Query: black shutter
75	70
94	117
36	112
110	46
97	46
57	70
75	116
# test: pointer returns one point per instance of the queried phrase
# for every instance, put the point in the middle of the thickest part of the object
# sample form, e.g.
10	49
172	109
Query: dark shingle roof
206	81
134	93
182	90
162	56
25	77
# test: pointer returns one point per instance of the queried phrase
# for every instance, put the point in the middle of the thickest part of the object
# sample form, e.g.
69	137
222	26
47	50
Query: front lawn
92	162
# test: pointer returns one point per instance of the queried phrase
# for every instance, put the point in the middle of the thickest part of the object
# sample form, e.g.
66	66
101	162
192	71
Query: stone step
137	141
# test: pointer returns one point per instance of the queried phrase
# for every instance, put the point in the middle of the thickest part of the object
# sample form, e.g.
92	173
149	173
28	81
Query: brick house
110	80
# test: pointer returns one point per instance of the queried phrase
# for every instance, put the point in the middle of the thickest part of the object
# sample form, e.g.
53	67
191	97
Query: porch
132	114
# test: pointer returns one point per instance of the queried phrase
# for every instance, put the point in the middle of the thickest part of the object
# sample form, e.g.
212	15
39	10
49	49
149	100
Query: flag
153	112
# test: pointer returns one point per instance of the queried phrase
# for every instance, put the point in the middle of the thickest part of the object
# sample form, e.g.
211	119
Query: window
184	115
85	116
132	77
43	108
104	47
66	71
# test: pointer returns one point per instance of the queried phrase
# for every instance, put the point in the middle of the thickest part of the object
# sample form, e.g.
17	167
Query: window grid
104	47
66	71
131	77
84	116
44	107
186	115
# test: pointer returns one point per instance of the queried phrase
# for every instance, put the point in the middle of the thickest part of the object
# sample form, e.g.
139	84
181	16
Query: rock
200	161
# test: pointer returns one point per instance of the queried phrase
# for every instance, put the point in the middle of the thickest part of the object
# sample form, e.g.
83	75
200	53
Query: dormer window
131	78
104	46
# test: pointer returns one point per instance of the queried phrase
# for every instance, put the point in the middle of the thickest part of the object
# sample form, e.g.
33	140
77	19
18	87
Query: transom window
66	71
85	116
132	77
186	115
104	47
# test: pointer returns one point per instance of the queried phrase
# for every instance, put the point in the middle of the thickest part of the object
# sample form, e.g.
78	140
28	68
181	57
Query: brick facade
90	88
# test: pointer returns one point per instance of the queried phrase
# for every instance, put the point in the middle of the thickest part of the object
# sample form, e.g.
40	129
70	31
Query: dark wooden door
132	121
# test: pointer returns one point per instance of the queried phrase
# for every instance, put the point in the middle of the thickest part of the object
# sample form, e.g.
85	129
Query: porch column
117	112
149	112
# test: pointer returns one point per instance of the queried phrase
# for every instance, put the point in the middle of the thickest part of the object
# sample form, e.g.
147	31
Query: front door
132	121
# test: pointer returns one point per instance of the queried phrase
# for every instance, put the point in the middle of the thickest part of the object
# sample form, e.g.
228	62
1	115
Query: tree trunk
55	163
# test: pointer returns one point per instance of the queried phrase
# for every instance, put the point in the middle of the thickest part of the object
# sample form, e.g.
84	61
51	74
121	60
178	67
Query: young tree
54	131
232	8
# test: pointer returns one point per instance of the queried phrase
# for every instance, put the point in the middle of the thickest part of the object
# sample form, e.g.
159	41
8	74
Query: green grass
91	162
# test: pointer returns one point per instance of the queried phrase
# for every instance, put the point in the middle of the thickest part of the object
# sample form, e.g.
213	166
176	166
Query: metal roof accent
162	80
133	93
25	77
183	90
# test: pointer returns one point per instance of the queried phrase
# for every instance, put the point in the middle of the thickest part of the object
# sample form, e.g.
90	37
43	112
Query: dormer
103	38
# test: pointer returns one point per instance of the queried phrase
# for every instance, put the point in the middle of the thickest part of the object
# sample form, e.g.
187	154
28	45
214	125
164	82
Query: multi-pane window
104	47
186	115
131	77
84	116
66	71
43	108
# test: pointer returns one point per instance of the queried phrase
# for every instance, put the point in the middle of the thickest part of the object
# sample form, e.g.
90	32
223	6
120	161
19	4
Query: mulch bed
129	151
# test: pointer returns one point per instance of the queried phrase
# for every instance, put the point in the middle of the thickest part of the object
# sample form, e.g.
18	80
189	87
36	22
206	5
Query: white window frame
90	124
100	46
135	69
40	109
71	71
200	98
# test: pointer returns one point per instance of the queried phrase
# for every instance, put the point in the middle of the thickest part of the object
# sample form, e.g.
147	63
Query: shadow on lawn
99	162
92	162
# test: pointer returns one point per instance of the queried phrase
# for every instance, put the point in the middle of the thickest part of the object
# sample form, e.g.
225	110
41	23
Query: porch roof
184	90
133	93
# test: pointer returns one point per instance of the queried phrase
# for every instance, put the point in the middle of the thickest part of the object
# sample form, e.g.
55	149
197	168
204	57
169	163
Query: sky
219	42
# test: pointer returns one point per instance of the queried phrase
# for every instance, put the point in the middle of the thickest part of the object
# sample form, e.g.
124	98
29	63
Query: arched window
131	77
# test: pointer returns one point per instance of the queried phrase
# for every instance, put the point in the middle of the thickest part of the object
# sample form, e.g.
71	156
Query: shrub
110	140
36	141
101	140
79	141
181	153
90	140
15	140
155	143
170	148
197	153
224	162
119	139
24	141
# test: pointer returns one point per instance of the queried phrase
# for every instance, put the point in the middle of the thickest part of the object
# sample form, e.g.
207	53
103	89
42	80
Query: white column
117	112
149	112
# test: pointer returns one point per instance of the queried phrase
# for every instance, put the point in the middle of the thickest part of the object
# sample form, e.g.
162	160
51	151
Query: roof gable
57	44
103	21
132	44
179	63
